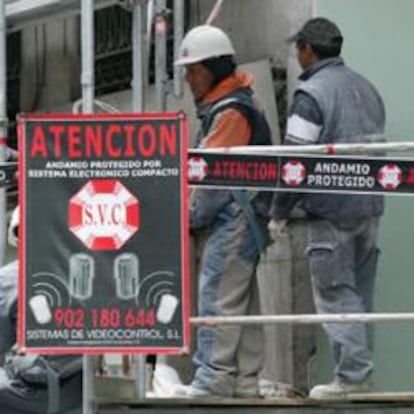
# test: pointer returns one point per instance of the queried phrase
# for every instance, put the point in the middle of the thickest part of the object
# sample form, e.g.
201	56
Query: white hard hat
13	228
204	42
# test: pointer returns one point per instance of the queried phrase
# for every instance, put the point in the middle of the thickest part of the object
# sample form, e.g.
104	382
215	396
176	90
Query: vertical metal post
138	57
178	37
88	97
138	64
3	129
139	370
160	55
161	31
149	21
88	52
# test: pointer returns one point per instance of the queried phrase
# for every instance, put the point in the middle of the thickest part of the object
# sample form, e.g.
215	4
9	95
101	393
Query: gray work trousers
343	264
229	358
183	364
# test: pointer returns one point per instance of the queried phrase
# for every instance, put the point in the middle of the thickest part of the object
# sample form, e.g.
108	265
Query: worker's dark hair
322	35
323	52
220	67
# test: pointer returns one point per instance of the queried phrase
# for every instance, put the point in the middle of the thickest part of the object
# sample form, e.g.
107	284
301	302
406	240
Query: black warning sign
104	247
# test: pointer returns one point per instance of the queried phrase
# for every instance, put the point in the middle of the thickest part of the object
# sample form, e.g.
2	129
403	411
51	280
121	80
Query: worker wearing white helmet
227	359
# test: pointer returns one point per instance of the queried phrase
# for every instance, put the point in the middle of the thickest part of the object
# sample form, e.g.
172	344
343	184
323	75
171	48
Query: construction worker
228	358
334	104
32	384
8	292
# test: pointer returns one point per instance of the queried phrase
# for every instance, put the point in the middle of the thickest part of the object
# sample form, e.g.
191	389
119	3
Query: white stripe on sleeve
301	130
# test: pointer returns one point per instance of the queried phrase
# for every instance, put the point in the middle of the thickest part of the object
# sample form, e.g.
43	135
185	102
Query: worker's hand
277	228
16	350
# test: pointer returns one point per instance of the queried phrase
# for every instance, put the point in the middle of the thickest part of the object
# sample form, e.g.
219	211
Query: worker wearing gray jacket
334	104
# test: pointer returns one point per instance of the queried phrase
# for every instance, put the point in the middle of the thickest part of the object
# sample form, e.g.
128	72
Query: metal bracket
4	122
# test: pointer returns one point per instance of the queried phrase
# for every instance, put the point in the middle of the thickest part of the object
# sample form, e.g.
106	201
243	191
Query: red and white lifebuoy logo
293	173
197	169
390	176
103	215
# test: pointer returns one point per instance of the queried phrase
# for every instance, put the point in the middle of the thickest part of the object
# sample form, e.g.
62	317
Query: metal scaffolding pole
329	149
88	96
139	57
88	51
302	319
3	129
178	37
161	55
214	12
138	97
161	31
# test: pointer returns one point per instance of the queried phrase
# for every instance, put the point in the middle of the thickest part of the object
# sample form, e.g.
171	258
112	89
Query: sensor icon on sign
166	308
81	275
40	309
126	271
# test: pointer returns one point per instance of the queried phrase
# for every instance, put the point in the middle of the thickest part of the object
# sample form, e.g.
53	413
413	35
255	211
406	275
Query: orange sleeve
230	128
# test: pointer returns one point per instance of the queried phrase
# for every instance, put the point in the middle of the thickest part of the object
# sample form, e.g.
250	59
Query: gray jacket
342	106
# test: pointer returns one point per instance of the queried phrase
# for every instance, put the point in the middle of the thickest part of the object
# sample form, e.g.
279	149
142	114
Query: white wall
258	28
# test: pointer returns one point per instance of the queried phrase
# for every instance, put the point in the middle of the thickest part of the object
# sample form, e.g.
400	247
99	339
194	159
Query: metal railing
305	319
329	149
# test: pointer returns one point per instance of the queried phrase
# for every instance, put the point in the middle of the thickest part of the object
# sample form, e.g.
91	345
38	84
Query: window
113	49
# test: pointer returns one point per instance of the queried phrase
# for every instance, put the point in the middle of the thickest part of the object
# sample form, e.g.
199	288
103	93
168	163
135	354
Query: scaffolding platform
388	403
116	396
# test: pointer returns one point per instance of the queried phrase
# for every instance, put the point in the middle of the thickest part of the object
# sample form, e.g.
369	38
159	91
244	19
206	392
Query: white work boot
165	379
190	391
339	389
277	390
